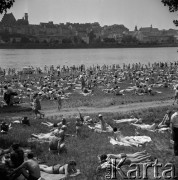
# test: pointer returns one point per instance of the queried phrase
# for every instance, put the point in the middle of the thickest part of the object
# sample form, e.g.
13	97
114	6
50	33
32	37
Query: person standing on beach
37	106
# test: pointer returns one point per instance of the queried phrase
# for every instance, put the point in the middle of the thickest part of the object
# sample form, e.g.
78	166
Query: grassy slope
85	150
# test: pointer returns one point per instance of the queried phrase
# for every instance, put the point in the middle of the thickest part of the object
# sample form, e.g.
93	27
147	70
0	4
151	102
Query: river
18	58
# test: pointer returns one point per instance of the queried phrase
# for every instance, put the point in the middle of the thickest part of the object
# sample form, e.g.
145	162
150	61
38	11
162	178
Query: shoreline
83	46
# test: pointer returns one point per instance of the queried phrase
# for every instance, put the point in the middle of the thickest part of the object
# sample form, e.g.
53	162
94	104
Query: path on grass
110	109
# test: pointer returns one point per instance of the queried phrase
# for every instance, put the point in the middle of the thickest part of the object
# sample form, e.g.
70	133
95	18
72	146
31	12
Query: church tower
26	16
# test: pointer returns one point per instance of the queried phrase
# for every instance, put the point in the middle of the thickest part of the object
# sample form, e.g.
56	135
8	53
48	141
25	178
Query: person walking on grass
78	126
59	102
37	106
176	95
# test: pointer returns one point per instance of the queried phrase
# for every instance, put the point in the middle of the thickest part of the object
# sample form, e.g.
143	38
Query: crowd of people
54	83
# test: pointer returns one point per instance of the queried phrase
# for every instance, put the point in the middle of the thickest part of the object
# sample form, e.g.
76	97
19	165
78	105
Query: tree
5	4
173	7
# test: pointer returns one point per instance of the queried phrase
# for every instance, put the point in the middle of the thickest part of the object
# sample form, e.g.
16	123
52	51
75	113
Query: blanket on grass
131	141
46	176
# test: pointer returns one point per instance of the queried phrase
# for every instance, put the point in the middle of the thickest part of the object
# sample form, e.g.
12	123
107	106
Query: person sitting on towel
14	157
8	95
117	91
117	134
24	121
31	165
67	169
166	120
5	127
57	144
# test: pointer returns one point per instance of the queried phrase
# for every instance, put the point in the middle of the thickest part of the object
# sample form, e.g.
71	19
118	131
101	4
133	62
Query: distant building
115	31
24	20
8	20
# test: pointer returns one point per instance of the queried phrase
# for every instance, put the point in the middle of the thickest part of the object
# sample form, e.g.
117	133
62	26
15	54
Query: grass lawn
85	149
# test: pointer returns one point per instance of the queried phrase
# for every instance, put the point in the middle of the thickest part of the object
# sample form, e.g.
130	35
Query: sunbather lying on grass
67	169
156	126
47	136
119	139
49	124
149	127
119	160
134	158
122	155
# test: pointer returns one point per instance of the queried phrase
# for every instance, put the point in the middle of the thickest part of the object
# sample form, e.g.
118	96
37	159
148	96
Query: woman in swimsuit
66	169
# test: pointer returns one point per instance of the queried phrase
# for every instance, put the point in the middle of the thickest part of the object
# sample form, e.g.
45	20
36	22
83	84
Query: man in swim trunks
31	166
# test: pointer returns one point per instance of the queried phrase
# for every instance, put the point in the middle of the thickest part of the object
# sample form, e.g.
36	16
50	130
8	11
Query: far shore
79	46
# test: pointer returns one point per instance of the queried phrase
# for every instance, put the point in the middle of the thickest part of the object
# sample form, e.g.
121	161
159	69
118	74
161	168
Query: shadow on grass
15	109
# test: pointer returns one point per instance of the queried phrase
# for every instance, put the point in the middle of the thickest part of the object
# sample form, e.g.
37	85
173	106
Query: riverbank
84	150
79	46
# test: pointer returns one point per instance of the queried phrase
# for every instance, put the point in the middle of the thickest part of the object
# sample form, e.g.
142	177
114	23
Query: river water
18	58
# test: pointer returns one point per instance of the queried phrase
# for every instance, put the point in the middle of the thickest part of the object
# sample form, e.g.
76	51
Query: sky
130	13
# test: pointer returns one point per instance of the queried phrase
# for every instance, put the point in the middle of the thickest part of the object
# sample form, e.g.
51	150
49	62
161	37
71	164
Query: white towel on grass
131	140
126	120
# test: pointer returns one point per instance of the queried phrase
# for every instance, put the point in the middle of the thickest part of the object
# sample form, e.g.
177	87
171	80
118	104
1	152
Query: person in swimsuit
57	143
120	160
37	106
166	120
103	123
66	169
